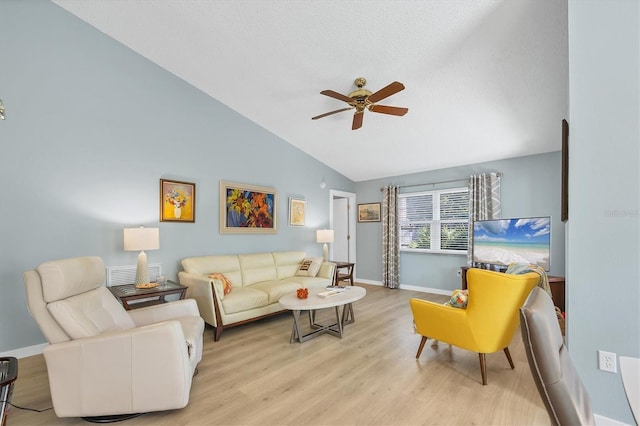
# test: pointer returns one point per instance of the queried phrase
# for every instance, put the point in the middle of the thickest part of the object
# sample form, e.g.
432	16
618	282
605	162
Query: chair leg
506	352
422	342
483	368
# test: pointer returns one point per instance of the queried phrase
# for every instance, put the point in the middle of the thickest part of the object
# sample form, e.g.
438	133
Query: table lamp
141	239
324	236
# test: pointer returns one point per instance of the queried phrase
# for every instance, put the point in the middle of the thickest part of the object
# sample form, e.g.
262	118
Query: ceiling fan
362	98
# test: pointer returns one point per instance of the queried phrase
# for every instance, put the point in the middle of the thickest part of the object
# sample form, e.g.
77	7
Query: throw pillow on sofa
309	267
222	283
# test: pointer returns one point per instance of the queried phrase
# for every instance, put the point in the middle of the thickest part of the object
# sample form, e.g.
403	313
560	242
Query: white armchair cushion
90	314
67	277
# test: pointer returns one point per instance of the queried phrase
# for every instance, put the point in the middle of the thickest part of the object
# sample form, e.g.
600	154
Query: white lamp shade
324	235
137	239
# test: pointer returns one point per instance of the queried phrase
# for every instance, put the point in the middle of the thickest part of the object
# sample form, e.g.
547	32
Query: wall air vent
121	275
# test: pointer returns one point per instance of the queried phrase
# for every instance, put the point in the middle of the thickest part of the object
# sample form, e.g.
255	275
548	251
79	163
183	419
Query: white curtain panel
484	202
390	237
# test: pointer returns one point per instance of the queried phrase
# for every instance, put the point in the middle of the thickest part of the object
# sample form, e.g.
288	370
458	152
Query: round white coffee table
315	302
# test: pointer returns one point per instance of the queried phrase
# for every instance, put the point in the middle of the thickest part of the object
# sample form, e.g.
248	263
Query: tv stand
557	285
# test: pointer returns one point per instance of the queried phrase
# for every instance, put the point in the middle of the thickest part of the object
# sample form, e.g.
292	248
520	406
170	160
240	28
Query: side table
343	277
129	292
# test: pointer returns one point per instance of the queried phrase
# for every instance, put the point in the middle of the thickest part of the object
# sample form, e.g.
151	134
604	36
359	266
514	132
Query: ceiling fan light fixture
361	99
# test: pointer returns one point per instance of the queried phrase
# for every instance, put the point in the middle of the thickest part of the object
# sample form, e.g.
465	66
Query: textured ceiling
485	79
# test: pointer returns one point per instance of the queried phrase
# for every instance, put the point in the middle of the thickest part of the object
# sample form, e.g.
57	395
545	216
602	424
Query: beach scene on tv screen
501	242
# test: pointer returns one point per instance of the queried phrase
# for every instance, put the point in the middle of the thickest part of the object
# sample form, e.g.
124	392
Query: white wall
603	231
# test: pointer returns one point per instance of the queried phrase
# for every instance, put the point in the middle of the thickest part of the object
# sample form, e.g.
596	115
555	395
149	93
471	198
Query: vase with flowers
177	199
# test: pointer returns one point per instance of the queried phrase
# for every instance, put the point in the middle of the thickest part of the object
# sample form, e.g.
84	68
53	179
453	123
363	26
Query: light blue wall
530	187
603	231
91	128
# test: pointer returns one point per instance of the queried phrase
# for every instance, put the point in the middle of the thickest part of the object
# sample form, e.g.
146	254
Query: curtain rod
437	183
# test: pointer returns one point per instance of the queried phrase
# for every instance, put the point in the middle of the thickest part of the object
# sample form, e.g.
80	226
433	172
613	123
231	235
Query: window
434	221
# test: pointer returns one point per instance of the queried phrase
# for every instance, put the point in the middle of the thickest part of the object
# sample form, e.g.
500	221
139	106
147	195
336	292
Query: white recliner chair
102	360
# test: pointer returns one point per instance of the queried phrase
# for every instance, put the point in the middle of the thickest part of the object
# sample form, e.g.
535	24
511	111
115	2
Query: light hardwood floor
253	376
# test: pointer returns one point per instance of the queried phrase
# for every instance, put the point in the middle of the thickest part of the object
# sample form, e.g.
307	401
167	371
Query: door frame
352	219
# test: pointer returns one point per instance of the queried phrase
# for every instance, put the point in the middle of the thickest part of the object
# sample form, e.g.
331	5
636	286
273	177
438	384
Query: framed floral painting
177	201
247	209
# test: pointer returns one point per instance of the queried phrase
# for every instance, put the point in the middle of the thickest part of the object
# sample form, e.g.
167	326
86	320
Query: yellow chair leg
506	352
483	368
422	342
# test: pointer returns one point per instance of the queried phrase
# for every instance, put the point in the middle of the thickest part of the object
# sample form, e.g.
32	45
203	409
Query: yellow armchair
489	321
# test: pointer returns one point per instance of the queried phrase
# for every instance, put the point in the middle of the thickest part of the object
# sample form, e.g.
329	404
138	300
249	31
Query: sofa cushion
229	265
277	288
257	268
287	262
90	314
244	299
309	267
309	282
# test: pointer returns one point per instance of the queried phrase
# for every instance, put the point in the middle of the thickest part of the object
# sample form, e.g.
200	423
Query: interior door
340	229
342	210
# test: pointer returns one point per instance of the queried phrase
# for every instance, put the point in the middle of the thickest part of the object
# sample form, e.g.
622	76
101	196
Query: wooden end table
343	277
129	292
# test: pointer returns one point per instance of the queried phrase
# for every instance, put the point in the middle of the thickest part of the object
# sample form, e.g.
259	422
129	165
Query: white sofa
258	281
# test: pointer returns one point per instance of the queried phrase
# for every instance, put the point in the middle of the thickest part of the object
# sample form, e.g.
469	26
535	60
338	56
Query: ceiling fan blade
384	109
330	113
385	92
337	95
357	120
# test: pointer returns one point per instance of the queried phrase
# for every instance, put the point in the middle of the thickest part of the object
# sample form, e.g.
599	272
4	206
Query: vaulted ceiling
485	79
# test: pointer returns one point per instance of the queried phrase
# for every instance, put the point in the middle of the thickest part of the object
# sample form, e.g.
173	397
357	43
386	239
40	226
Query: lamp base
142	272
325	252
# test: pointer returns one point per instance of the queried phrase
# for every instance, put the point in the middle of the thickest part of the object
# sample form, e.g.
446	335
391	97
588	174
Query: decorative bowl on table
302	293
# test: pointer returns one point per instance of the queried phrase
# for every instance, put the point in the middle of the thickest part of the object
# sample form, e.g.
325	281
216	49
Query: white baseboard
409	287
606	421
25	352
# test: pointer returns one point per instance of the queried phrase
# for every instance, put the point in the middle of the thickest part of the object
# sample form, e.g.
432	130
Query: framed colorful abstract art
177	201
247	209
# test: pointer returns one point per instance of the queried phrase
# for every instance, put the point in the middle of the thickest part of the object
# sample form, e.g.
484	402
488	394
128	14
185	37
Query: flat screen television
499	242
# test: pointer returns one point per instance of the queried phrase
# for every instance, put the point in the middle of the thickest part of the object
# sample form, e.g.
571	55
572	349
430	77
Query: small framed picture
369	212
297	208
177	201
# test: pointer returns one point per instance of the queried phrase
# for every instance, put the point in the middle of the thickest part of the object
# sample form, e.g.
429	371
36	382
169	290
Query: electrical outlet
607	361
459	273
